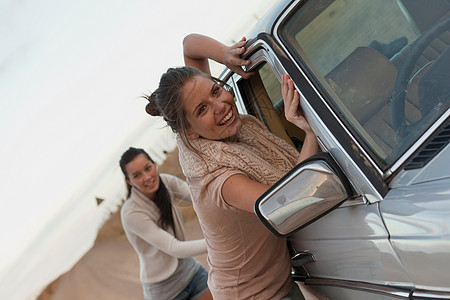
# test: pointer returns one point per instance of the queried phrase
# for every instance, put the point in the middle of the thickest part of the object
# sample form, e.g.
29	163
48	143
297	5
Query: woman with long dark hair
153	224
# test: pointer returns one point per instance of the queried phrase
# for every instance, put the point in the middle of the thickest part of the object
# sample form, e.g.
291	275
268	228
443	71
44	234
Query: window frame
367	182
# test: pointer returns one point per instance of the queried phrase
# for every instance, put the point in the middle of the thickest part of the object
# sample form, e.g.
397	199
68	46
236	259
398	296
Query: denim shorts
197	287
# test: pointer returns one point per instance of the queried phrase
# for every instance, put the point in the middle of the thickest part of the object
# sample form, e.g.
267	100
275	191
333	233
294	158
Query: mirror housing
310	190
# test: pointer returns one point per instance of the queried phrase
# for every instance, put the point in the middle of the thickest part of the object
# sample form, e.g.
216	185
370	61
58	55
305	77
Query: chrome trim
352	201
286	207
355	201
239	101
322	168
253	47
402	158
322	145
369	198
399	292
417	144
302	258
273	61
423	294
266	54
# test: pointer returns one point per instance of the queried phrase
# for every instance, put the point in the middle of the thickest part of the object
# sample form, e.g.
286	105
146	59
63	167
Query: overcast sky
71	73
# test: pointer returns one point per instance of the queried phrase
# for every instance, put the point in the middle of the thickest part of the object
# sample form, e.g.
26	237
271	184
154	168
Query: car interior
370	101
265	89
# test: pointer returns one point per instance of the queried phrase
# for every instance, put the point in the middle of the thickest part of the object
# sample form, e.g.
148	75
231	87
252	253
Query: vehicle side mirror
310	190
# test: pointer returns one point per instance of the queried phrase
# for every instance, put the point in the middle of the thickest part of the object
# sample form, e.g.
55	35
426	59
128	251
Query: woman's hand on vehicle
198	48
232	58
292	109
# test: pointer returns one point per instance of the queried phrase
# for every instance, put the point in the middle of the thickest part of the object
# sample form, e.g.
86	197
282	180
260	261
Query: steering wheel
404	74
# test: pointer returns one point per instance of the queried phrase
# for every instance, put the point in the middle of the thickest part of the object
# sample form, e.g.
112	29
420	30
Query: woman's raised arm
198	49
242	192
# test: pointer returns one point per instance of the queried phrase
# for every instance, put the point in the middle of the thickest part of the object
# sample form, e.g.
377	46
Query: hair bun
151	108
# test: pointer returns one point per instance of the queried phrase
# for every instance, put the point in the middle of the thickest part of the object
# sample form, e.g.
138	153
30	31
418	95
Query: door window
353	51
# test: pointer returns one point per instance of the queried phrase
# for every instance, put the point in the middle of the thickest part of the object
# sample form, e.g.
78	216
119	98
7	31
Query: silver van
369	218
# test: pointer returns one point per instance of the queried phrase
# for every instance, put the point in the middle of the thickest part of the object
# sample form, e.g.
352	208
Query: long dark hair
162	198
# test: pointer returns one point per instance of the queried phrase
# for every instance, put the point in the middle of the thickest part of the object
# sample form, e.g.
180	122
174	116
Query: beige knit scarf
261	155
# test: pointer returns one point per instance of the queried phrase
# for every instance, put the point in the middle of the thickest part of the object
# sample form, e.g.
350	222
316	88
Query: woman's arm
143	226
293	113
241	192
198	49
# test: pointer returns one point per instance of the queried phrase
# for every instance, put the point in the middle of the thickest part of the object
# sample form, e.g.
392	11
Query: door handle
302	258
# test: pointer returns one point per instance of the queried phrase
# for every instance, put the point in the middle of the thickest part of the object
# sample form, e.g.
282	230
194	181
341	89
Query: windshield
383	66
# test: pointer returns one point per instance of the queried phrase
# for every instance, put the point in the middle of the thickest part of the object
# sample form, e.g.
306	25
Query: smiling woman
153	224
229	161
210	110
142	175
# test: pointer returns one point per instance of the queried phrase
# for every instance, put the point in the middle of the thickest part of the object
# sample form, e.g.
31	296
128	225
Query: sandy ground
110	269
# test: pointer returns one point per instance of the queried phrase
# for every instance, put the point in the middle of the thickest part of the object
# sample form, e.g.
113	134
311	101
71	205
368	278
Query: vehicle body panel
417	218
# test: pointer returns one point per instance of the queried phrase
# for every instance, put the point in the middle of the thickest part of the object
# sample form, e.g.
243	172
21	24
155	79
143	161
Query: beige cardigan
158	249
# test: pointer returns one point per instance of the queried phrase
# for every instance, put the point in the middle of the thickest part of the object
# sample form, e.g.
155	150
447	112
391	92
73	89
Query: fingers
235	54
291	98
240	71
235	62
292	109
235	57
239	48
247	75
296	100
287	89
241	43
239	62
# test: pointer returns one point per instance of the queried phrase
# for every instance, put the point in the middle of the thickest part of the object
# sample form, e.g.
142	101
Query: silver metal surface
304	196
418	220
396	292
239	101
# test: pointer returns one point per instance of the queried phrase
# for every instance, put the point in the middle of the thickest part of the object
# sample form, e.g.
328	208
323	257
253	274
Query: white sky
71	73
